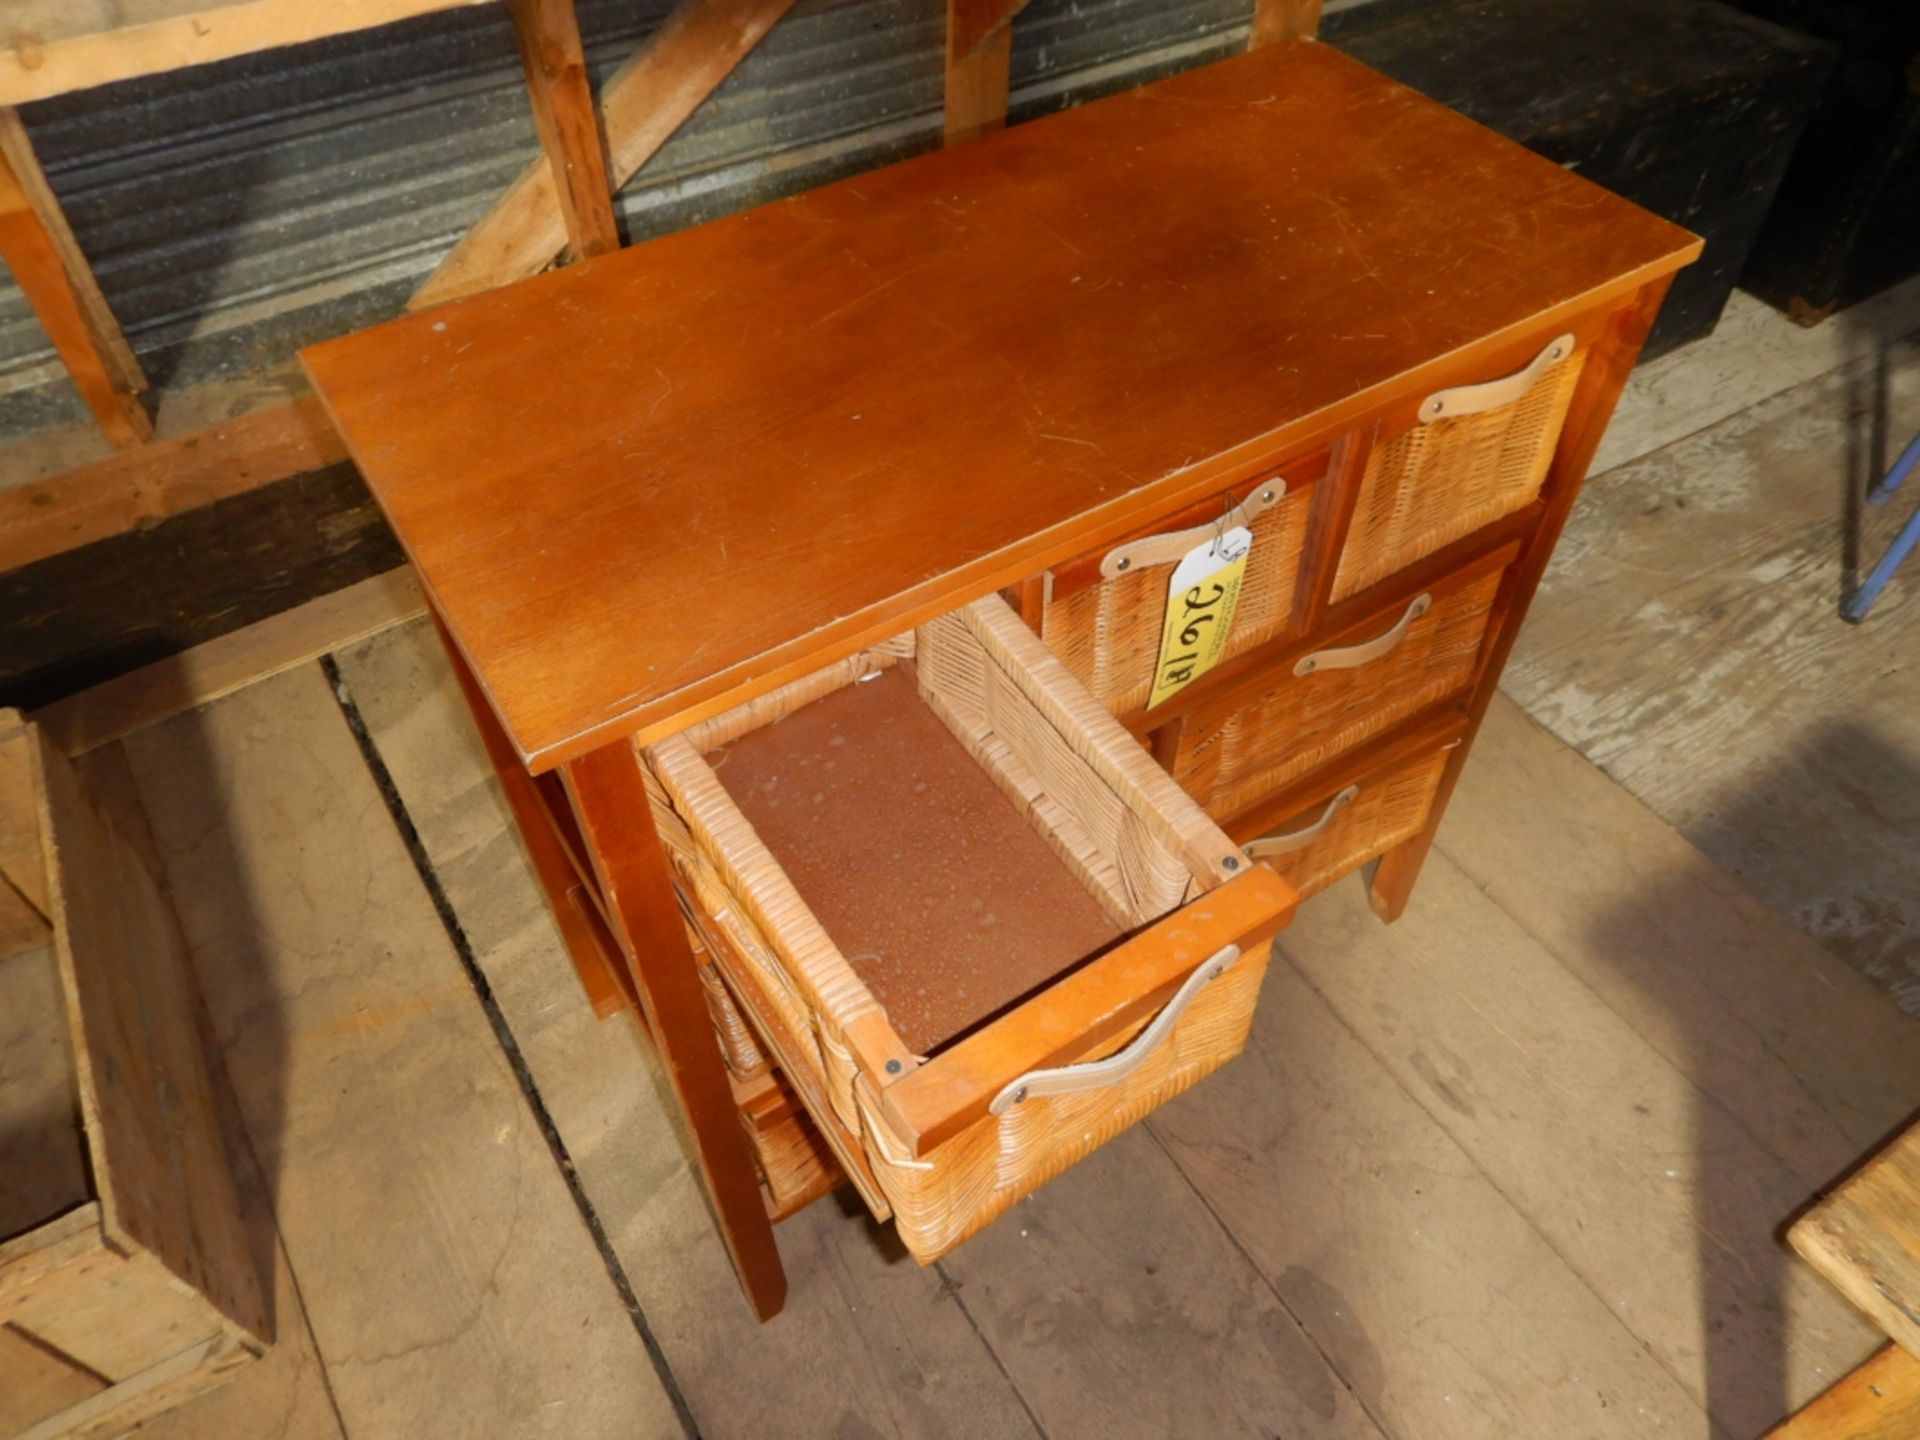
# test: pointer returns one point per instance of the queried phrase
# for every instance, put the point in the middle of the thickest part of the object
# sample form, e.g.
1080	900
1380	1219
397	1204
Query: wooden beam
46	261
93	502
1277	20
979	61
49	47
567	122
647	99
156	692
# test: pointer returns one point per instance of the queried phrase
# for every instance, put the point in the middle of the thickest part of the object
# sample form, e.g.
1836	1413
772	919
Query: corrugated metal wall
236	211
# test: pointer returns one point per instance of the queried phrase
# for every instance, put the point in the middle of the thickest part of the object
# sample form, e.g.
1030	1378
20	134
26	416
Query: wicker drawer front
1474	454
1243	749
1358	824
1106	627
945	1133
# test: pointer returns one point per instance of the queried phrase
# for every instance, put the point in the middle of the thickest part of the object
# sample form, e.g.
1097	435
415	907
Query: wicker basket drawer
1470	455
977	929
1243	747
1103	611
1358	823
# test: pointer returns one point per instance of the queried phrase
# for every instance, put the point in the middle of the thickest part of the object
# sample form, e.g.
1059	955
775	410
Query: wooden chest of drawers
714	528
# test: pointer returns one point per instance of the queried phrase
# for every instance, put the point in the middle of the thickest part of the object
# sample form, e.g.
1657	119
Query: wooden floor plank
1447	1311
450	1284
179	683
1687	641
1120	1306
1755	352
1804	1050
869	1342
1659	1197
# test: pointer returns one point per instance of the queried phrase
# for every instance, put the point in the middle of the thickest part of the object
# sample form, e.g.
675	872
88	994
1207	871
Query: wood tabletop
654	484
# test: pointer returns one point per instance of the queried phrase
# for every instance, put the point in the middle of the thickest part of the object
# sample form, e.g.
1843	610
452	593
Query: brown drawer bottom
1319	845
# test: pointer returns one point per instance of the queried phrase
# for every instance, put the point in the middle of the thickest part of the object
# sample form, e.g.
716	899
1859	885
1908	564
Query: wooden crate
126	1279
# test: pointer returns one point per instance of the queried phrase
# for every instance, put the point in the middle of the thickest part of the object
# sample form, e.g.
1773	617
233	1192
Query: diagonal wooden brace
40	250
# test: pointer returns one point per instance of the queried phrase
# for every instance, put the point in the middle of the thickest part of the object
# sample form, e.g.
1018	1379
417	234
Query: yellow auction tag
1201	594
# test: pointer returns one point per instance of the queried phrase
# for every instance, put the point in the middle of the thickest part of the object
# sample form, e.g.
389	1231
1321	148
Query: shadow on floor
1747	1287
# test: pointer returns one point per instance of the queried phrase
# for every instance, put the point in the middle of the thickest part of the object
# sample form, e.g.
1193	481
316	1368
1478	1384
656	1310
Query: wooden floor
1514	1167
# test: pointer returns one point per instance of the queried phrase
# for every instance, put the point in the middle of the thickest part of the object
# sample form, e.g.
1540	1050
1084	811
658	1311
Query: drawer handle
1347	657
1299	840
1169	548
1492	394
1092	1074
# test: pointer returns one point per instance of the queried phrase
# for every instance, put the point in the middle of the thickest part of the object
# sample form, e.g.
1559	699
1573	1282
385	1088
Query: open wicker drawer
977	928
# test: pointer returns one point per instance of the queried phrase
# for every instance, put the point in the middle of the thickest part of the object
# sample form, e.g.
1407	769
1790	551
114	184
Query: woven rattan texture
737	1046
1108	634
794	1161
1239	757
1389	808
1433	483
976	1175
1114	817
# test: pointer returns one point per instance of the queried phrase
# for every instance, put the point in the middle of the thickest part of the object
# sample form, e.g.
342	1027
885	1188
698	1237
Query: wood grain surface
567	122
53	274
765	441
444	1270
866	1335
1878	1401
1865	1238
156	1155
53	46
1687	640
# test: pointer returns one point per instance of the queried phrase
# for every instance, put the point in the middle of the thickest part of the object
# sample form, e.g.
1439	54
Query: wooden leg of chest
616	821
1606	373
609	988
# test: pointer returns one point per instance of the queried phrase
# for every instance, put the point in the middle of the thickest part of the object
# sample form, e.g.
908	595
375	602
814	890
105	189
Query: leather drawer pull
1270	845
1492	394
1091	1075
1347	657
1170	548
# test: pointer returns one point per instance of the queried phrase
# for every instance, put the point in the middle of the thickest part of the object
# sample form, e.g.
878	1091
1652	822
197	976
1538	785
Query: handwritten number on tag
1200	602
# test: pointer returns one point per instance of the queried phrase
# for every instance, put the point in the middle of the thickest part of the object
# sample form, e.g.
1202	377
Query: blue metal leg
1861	601
1893	479
1903	545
